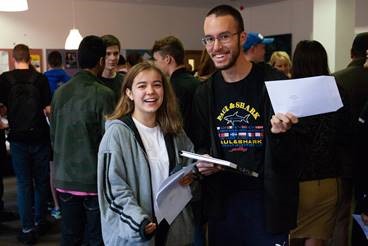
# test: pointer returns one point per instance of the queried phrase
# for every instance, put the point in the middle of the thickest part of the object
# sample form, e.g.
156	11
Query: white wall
361	21
290	16
47	23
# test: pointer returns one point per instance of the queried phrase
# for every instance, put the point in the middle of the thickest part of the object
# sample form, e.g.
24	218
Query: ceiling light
74	38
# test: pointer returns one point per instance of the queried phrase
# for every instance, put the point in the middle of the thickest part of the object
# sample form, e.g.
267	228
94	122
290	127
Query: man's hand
207	168
150	228
282	122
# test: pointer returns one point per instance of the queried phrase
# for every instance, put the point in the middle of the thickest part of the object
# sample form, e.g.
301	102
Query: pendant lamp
13	5
74	38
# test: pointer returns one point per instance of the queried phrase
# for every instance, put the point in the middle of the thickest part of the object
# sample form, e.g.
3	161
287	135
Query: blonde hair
280	55
167	116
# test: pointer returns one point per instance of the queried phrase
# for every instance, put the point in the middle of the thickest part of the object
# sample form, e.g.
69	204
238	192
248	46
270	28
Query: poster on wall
36	61
69	60
4	61
135	54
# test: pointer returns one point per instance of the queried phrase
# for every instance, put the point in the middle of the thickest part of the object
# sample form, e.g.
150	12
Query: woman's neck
148	120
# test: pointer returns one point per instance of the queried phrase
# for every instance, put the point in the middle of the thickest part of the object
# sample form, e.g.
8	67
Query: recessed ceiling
195	3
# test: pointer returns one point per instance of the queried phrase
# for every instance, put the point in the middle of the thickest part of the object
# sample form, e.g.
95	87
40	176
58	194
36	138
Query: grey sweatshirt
125	193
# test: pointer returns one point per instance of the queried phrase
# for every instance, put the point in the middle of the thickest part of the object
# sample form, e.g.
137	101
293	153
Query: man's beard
233	59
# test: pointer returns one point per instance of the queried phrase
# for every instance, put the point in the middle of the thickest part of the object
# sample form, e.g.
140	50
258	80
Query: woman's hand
150	228
207	168
187	179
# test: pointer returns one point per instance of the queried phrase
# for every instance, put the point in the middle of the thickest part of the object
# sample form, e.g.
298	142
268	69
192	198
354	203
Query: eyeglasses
224	37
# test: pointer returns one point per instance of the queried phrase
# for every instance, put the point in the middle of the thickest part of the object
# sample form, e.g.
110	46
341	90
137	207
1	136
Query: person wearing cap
255	47
353	81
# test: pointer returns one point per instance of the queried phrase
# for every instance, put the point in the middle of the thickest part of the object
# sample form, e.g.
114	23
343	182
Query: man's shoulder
351	75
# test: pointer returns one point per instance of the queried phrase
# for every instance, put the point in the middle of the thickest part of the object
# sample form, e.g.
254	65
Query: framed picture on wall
71	59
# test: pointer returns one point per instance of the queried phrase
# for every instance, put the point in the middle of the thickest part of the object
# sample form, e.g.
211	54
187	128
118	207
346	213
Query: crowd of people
105	139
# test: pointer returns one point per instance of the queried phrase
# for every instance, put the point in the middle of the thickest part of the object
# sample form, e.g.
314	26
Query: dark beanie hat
360	44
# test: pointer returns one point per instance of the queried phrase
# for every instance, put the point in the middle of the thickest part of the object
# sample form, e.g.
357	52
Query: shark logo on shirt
231	119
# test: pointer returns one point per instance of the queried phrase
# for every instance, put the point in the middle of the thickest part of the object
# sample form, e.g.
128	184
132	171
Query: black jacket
279	171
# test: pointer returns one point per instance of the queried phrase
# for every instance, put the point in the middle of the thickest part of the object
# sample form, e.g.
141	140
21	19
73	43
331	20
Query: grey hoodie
124	188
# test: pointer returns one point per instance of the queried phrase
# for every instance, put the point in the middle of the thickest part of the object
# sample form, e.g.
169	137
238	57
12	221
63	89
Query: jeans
31	167
80	221
244	223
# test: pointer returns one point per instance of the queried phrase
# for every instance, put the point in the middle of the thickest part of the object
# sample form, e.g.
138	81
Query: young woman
323	142
138	151
281	61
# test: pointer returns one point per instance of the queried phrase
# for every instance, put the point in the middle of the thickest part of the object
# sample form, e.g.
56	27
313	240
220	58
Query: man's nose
217	44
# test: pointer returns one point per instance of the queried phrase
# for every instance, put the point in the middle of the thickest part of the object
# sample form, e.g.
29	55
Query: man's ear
168	59
243	38
102	61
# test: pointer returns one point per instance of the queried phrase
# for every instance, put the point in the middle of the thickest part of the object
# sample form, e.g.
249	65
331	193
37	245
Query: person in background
358	237
122	65
77	127
206	67
5	215
26	95
281	61
353	80
56	75
322	145
168	55
255	47
110	76
132	59
138	151
235	122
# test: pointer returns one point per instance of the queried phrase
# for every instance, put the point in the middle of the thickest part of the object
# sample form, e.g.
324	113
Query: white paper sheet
360	222
172	197
304	97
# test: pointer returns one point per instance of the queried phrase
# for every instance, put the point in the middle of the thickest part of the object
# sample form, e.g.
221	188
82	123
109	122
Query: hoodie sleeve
121	215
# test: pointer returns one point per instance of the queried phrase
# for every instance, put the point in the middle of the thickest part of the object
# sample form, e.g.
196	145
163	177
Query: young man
168	54
110	76
77	126
255	47
234	121
56	75
353	80
26	94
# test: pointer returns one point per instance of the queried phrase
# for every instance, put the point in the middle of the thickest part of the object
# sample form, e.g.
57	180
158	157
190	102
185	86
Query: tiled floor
10	230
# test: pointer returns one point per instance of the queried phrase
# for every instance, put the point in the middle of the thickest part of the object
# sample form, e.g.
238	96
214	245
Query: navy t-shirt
239	125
